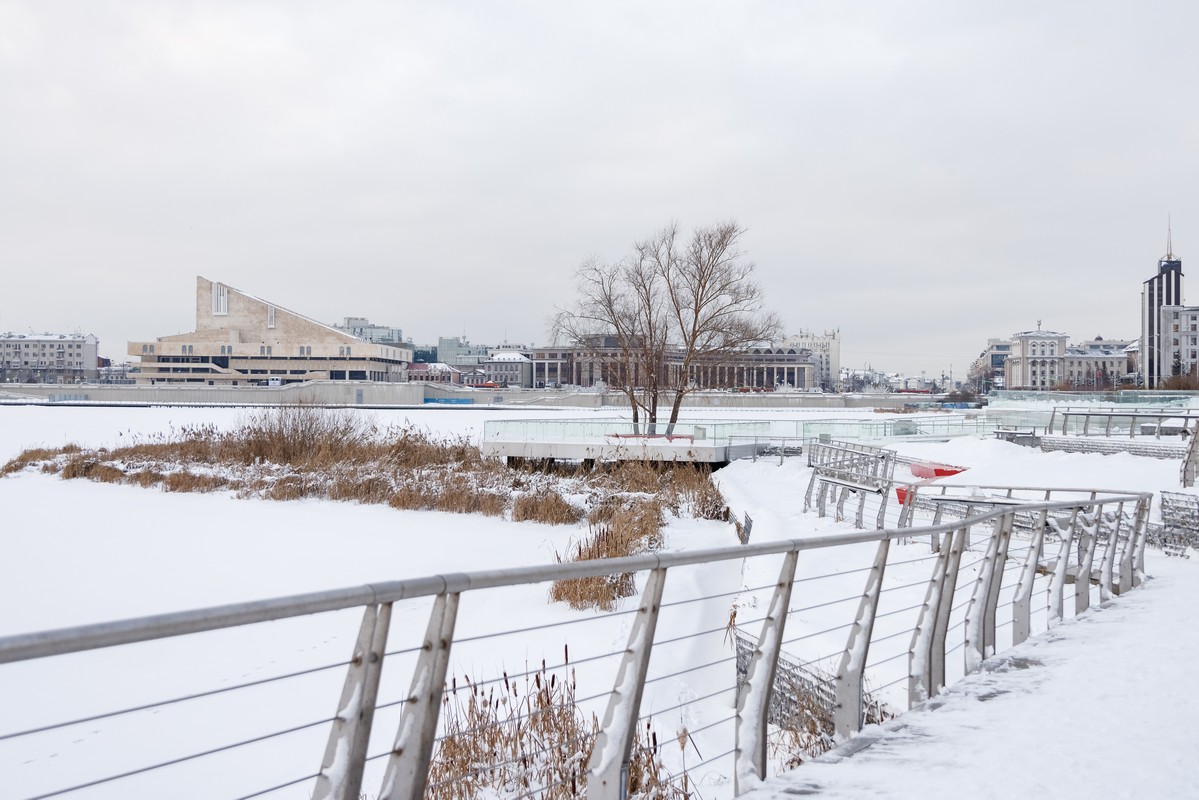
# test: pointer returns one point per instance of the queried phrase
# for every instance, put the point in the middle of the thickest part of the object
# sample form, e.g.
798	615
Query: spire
1169	241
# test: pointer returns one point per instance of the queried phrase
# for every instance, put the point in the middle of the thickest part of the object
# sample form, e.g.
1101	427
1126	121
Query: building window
145	348
268	349
270	316
220	299
262	350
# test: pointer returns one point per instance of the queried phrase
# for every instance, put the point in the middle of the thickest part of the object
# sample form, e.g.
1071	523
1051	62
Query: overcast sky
919	175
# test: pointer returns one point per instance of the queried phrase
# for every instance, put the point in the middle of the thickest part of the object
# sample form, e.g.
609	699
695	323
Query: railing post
957	545
935	539
841	495
408	767
1086	557
608	774
1141	539
920	683
1022	601
753	709
980	616
1003	529
1057	586
847	718
1109	554
345	755
807	498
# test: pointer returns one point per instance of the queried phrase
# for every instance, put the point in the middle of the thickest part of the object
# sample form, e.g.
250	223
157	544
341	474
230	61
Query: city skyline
920	178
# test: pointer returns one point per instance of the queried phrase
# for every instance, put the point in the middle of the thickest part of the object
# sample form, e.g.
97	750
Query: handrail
25	646
1084	537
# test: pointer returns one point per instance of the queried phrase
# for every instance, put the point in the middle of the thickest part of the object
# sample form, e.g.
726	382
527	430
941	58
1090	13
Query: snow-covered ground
78	552
1101	707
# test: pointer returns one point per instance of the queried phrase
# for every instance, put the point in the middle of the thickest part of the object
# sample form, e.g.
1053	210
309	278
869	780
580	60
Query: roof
1039	333
326	326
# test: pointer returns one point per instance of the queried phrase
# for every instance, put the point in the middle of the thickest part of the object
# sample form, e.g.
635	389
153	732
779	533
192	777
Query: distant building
987	371
458	352
363	329
243	340
826	354
434	373
1042	360
48	357
509	368
1158	335
553	365
599	361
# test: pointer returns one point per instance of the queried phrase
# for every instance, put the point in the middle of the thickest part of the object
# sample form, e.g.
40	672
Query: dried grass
547	507
529	737
34	455
296	452
185	481
629	531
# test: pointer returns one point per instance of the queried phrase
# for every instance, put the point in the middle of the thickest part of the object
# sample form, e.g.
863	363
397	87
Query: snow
1109	688
1100	707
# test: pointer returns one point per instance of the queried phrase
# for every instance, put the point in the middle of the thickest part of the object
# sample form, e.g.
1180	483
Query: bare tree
675	307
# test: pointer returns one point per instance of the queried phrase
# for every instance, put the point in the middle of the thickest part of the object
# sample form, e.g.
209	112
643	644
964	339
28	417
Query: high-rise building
1163	289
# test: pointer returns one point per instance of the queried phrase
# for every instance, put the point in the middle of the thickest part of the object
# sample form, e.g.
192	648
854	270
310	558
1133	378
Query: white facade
363	329
1179	339
826	355
1043	360
48	357
509	368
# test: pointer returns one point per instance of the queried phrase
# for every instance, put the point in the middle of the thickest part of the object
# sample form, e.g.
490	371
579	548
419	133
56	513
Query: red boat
931	469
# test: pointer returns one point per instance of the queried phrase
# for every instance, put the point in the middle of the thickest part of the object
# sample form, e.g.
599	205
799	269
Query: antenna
1169	240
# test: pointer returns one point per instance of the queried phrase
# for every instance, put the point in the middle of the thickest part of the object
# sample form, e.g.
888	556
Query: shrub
185	481
547	507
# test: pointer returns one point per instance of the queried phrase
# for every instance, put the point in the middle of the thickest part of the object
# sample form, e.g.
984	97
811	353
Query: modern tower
1163	289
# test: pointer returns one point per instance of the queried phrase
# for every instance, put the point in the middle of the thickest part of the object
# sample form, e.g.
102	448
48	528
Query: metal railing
394	729
1121	420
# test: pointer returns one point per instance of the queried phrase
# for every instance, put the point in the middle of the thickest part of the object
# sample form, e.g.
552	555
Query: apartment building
48	357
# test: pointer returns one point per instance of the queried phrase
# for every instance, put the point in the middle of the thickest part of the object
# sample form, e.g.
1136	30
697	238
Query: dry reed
629	531
546	506
529	737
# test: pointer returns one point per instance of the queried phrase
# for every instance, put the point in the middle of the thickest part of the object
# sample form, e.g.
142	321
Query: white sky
921	175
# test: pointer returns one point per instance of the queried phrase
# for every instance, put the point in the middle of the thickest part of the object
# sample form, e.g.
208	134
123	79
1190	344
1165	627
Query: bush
547	507
634	529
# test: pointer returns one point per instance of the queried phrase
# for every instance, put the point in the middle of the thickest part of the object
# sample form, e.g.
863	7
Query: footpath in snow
1102	706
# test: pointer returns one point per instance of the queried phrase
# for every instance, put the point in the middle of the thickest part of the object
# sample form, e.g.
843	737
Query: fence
418	730
673	663
1121	421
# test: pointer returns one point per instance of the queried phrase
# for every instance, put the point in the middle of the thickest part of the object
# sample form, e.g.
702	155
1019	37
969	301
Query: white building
826	355
1042	360
509	368
363	329
48	357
